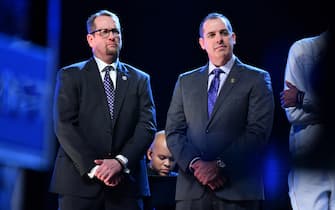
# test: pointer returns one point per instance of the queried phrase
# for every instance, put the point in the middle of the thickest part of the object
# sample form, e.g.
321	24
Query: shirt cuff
92	172
123	159
124	163
191	163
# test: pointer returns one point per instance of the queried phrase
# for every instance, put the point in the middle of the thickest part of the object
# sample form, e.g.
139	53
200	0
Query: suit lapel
123	77
231	80
95	79
202	82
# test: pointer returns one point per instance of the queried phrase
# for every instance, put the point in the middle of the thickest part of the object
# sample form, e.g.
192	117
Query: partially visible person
311	179
218	124
161	162
162	177
104	118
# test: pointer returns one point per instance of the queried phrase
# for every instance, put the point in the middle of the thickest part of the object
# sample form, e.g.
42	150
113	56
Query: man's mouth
165	171
220	47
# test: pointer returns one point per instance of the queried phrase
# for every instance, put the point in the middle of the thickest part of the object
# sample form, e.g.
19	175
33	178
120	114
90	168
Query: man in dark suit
218	123
104	118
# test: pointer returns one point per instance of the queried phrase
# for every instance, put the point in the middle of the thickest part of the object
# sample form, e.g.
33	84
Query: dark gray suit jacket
86	132
236	132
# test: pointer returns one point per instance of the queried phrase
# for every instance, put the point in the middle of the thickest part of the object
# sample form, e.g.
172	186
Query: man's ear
201	43
149	153
90	40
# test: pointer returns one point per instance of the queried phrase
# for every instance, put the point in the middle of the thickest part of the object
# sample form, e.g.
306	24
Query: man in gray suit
104	119
218	124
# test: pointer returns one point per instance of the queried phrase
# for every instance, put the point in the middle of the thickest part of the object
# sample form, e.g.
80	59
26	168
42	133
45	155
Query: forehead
161	149
214	24
104	21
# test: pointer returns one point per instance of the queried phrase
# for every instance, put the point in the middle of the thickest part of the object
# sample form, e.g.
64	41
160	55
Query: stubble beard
113	52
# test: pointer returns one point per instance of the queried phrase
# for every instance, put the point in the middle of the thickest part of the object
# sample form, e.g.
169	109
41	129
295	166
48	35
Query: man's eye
105	31
162	157
225	33
211	35
115	31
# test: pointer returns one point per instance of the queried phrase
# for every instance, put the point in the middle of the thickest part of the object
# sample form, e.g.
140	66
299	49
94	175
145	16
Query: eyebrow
221	30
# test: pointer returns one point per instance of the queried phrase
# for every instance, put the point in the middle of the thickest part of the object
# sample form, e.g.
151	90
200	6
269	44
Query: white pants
312	189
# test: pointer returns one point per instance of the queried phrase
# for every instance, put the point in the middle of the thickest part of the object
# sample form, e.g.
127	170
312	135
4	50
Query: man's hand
109	171
207	173
217	183
115	180
288	97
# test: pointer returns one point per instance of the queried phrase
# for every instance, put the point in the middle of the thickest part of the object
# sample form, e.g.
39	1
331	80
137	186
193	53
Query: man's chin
113	53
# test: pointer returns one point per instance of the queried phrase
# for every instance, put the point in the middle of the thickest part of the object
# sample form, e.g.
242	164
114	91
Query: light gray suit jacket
236	132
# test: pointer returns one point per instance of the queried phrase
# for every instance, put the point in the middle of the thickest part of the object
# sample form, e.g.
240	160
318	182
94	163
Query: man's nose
167	162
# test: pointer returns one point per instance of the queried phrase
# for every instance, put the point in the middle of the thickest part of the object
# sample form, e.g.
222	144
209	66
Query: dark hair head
90	26
211	16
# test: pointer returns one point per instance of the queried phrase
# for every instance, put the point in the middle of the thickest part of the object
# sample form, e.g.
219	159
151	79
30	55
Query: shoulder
127	68
305	45
193	72
78	67
305	42
253	75
250	69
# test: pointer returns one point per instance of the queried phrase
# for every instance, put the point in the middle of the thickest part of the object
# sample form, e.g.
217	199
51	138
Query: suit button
207	131
109	154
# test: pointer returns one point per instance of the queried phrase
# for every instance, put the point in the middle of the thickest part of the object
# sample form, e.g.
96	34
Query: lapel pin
124	77
232	80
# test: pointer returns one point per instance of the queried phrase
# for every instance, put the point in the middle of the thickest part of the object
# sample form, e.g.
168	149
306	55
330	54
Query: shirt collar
102	65
225	68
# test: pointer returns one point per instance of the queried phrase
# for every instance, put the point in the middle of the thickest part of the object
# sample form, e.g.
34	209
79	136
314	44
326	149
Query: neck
108	59
221	61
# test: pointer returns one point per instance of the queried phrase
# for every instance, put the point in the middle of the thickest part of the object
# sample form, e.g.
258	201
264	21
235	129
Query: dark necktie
213	90
109	90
